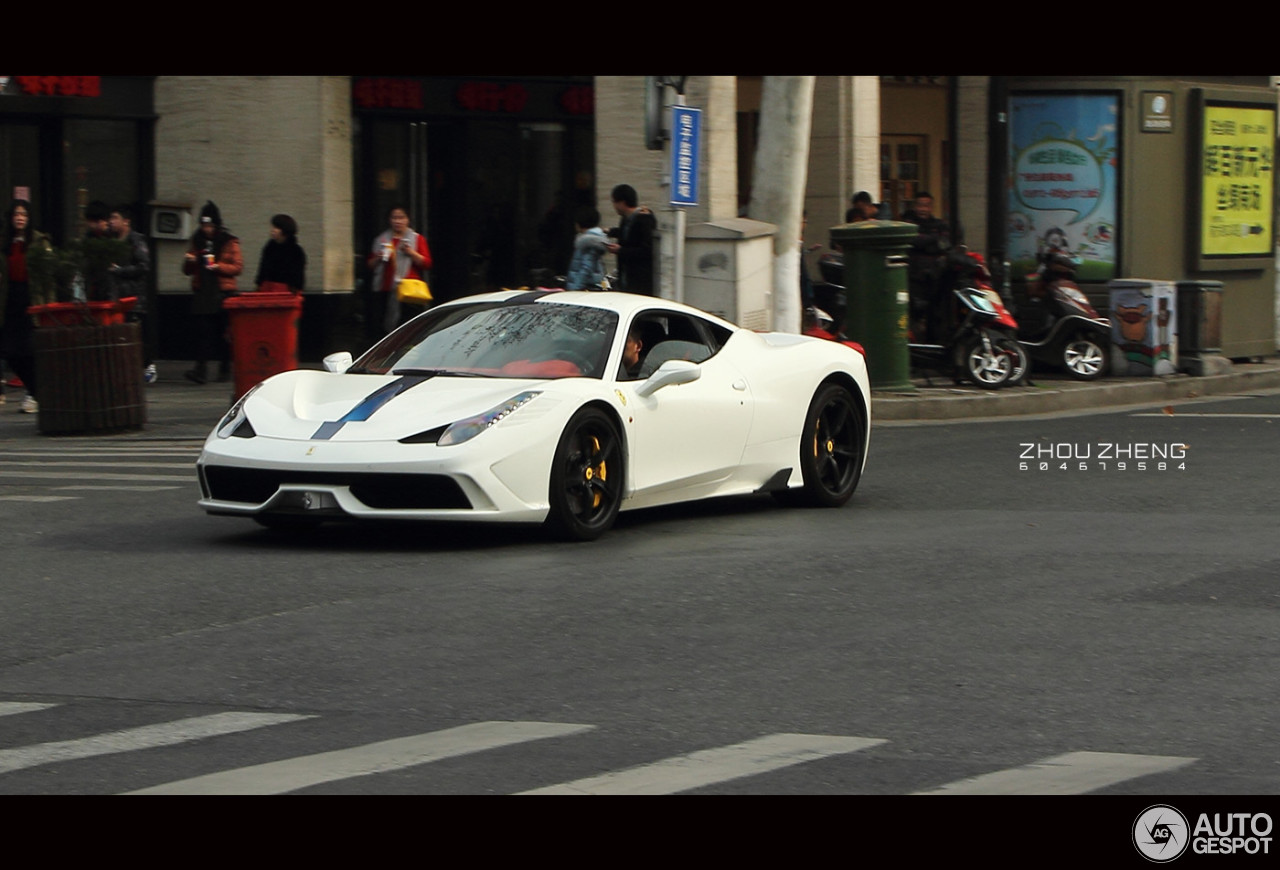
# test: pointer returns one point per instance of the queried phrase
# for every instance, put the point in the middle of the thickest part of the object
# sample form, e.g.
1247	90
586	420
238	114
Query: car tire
831	445
587	477
1084	358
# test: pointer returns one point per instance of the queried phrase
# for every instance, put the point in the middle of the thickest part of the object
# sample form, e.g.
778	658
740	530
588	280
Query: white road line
710	766
12	708
120	488
1177	413
292	774
1073	773
101	453
173	466
144	737
38	498
96	475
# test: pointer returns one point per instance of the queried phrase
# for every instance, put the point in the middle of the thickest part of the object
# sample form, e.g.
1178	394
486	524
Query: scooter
966	331
1058	326
969	334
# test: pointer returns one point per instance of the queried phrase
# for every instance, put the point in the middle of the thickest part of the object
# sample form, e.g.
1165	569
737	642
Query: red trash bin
264	335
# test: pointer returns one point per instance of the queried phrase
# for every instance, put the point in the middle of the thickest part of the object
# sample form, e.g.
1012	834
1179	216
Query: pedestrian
213	262
130	279
586	266
924	263
97	218
633	241
863	209
98	247
283	262
399	252
21	287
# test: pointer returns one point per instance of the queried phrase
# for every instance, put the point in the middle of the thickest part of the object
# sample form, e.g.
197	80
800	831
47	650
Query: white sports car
563	407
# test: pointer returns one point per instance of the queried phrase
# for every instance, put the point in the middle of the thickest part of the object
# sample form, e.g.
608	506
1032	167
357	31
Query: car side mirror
338	362
673	371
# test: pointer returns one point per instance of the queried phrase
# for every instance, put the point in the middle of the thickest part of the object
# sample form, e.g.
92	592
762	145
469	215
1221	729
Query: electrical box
170	221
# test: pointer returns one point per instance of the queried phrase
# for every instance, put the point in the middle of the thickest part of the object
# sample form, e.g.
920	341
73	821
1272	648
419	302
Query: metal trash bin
1200	328
90	378
875	269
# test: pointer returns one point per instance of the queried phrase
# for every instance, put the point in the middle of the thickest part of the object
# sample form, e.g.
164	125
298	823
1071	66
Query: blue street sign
686	131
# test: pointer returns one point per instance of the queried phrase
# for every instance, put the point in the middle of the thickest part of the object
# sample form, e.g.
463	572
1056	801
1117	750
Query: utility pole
778	185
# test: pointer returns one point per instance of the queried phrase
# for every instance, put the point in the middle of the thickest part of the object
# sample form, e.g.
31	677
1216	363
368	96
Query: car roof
624	304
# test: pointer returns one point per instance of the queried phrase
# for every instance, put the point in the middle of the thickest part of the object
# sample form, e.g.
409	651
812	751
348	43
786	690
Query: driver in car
631	355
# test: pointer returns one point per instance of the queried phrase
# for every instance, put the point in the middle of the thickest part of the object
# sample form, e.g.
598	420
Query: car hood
309	405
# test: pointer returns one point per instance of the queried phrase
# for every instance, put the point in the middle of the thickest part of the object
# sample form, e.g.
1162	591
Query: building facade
491	169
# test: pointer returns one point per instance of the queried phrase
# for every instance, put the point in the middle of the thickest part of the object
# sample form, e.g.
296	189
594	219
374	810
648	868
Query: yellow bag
413	290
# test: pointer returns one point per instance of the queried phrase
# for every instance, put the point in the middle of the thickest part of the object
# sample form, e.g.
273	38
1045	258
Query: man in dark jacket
129	278
633	241
924	262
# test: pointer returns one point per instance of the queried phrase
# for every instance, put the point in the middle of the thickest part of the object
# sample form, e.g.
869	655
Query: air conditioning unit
170	221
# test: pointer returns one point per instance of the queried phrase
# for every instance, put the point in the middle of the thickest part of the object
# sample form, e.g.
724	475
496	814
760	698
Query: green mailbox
875	278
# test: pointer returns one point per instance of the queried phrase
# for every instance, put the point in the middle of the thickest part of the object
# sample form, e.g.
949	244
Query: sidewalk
1054	392
180	410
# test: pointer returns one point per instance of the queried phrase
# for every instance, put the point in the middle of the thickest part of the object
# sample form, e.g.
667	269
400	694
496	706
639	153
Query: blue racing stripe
368	406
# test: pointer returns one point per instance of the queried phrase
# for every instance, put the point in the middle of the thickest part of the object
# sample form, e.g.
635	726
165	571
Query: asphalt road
967	623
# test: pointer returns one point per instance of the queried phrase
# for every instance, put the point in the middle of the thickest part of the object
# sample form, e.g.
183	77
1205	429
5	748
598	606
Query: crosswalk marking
295	773
117	488
11	708
38	498
97	475
710	766
1073	773
1192	414
143	737
189	466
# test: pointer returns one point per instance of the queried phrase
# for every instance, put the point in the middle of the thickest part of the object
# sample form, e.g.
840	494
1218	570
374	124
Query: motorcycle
965	329
967	332
1058	326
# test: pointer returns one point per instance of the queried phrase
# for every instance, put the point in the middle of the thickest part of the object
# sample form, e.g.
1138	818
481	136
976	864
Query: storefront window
100	163
20	166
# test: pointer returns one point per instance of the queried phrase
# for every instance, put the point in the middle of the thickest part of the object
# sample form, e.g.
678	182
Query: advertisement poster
1063	180
1237	166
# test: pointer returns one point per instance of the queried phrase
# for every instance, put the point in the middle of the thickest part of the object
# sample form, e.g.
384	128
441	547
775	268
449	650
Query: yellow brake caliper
592	471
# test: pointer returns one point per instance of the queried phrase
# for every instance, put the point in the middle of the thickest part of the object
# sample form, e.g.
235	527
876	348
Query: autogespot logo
1161	833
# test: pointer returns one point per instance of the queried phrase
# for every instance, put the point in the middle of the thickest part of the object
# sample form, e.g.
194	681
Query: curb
951	403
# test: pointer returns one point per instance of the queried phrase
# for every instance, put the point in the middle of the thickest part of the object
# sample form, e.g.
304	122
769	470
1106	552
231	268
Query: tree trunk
778	185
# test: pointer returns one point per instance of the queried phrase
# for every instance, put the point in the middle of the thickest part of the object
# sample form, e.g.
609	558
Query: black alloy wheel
831	447
586	477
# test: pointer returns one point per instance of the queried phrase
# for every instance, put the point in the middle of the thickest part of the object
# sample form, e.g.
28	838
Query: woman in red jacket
399	252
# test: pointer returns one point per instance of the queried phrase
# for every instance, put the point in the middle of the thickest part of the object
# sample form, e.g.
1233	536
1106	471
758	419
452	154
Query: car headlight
236	422
465	430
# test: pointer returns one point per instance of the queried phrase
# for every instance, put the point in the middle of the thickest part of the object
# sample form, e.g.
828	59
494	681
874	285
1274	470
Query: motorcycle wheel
990	371
1021	361
1083	358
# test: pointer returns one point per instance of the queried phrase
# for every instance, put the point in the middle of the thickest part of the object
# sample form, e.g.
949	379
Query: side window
665	336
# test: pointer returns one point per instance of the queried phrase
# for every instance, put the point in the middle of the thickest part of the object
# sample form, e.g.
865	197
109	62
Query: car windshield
520	340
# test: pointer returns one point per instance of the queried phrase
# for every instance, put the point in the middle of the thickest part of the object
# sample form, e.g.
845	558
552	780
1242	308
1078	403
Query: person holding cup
398	252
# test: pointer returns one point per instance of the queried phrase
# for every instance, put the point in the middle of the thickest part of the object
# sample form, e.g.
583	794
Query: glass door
902	162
